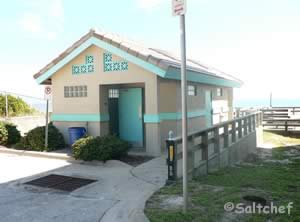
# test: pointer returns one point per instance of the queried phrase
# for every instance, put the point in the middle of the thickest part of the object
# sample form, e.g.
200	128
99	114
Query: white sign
178	7
48	92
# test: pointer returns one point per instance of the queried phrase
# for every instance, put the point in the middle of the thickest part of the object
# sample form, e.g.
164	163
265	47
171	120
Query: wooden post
226	135
286	126
204	145
245	126
260	119
240	128
250	124
233	132
217	144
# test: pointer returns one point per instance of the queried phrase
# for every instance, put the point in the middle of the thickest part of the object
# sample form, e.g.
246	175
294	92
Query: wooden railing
218	137
281	117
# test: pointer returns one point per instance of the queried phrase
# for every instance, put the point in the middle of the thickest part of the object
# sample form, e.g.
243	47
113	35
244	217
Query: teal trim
156	118
172	73
151	118
63	117
193	76
106	46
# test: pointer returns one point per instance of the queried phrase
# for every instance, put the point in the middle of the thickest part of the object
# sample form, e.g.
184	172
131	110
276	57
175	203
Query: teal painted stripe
79	117
106	46
202	78
156	118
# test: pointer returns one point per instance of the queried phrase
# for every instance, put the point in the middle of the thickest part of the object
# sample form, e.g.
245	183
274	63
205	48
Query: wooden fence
210	144
278	118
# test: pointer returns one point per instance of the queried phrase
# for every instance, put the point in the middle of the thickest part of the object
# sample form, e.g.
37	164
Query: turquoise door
208	108
130	116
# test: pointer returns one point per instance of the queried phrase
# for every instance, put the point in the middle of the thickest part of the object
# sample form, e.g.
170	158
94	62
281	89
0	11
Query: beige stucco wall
170	102
90	104
161	96
95	102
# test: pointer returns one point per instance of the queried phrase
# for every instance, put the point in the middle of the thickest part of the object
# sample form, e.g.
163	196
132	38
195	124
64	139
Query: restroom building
110	84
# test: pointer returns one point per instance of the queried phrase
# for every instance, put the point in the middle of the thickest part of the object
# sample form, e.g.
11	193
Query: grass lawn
276	182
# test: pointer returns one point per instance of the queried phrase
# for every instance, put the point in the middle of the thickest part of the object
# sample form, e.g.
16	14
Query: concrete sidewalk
118	195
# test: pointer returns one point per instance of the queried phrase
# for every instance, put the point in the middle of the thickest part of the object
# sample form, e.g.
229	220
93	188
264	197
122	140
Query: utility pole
271	99
6	105
179	9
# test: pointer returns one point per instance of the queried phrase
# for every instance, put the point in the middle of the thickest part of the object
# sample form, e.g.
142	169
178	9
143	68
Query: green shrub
100	148
3	134
35	139
16	106
14	135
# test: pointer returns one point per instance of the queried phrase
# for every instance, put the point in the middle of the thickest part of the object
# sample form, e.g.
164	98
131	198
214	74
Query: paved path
118	195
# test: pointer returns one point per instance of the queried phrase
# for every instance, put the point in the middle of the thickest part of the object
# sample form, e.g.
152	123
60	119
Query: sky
257	41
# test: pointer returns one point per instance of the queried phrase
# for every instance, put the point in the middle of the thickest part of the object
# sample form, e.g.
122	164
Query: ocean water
248	103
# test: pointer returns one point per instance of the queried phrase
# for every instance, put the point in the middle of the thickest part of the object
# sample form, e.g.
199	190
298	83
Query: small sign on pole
178	7
47	96
48	92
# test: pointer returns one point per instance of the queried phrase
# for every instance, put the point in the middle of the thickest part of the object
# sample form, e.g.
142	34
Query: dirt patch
135	160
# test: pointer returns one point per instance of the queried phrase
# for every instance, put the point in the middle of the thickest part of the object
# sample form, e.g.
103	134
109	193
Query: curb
59	156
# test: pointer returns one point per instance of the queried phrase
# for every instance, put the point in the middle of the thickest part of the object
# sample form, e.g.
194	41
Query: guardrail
211	144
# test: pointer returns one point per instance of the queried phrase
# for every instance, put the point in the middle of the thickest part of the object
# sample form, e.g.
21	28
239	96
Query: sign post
47	96
179	9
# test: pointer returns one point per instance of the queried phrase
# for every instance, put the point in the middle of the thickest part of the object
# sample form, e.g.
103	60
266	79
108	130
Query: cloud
149	4
43	19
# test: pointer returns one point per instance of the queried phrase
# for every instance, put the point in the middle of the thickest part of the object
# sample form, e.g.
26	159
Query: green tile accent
64	117
88	67
110	65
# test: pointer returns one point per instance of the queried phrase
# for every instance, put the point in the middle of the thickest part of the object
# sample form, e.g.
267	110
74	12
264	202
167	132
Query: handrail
219	125
200	141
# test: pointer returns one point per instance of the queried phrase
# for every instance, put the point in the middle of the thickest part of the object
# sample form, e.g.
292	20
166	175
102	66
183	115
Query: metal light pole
184	113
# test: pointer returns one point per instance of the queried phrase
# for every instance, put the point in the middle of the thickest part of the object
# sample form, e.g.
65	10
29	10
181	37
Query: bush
14	135
35	139
100	148
3	134
16	106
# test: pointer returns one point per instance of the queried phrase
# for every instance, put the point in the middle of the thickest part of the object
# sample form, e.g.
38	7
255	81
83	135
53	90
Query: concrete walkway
118	195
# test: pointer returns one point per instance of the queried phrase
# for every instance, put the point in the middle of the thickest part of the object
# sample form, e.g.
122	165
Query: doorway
126	115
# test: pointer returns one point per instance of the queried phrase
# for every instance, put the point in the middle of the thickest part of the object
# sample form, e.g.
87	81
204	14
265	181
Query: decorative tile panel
110	65
88	67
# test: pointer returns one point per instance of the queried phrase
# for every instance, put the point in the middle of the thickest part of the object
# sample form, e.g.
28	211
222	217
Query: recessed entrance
60	182
126	114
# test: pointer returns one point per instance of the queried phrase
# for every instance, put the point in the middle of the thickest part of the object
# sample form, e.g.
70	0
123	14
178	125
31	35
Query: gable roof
158	61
